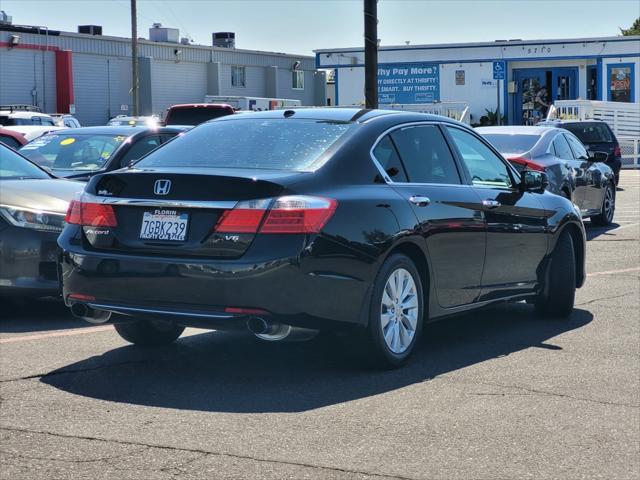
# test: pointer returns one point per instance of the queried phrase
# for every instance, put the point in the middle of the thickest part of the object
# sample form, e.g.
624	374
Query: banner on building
408	83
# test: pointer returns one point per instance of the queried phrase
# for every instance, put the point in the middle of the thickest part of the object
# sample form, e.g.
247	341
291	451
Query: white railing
456	110
630	150
623	118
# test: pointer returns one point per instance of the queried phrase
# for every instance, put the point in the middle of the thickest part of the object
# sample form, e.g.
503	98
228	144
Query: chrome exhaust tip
276	332
88	314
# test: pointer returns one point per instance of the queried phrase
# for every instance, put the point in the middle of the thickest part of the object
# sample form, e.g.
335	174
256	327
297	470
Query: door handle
419	200
491	203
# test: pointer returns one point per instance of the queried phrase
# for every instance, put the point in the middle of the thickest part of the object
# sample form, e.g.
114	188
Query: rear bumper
292	289
28	265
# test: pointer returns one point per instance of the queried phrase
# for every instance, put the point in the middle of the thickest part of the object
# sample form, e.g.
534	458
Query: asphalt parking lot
498	394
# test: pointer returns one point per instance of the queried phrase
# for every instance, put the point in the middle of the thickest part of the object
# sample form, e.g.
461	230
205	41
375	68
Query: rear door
516	221
448	212
565	154
593	176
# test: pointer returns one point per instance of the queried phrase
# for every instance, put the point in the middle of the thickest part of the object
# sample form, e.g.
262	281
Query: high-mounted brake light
90	214
290	214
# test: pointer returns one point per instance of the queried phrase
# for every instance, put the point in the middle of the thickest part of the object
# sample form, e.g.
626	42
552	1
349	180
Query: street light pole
134	58
371	53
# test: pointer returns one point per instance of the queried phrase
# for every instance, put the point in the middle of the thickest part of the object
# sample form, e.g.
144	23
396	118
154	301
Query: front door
564	84
529	106
448	213
516	221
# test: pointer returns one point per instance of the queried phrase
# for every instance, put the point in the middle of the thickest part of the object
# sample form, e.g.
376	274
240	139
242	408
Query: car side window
485	167
426	155
387	156
579	152
562	148
140	149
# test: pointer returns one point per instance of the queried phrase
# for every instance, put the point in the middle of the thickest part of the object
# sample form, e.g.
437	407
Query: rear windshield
507	143
279	144
194	115
13	166
590	133
84	152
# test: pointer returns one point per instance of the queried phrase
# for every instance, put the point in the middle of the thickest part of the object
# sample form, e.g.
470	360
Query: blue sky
299	26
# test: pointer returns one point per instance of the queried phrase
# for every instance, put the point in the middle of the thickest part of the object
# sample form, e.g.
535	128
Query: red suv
196	113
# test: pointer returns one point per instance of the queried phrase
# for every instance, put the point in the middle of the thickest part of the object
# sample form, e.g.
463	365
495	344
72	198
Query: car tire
391	337
608	207
558	295
149	332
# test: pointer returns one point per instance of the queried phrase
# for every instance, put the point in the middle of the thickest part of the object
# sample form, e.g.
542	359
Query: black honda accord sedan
369	222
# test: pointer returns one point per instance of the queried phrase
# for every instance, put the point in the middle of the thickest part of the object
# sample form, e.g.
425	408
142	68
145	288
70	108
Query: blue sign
408	83
499	69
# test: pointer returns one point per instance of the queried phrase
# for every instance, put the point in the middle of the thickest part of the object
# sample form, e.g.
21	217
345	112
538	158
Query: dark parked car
196	113
32	209
597	136
80	153
366	221
572	171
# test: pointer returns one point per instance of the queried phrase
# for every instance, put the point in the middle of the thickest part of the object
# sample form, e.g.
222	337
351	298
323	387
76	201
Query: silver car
32	209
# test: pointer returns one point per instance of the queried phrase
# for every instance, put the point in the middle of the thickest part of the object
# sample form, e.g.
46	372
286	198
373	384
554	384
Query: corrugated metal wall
254	82
286	90
173	83
102	86
22	72
102	73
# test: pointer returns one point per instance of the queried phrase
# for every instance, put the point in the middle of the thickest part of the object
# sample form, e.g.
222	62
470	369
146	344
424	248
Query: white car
27	120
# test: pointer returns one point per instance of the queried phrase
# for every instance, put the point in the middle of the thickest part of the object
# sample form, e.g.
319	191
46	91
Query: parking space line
66	333
613	272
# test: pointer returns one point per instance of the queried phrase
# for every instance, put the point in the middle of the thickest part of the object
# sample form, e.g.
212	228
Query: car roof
567	121
23	114
198	105
517	130
335	114
127	130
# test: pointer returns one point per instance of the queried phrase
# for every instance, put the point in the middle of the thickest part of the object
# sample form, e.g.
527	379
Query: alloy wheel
399	311
608	204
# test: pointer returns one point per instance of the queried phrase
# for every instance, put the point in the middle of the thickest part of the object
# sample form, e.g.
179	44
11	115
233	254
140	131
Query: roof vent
4	18
90	29
158	33
223	39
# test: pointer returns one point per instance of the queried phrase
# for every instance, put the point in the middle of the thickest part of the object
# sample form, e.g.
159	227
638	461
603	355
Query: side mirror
533	181
598	157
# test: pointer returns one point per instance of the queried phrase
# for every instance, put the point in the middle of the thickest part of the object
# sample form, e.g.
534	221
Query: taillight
90	214
526	163
244	218
290	214
299	214
616	151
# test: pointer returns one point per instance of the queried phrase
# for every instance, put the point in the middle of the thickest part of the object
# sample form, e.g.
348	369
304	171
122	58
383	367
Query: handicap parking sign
499	70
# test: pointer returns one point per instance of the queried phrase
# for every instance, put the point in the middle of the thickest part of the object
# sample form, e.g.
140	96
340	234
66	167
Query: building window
298	79
620	81
237	76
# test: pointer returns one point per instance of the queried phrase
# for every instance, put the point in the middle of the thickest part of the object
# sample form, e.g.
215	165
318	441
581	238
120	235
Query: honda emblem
162	187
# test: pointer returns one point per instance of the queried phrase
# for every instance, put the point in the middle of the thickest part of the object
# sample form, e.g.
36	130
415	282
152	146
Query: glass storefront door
538	88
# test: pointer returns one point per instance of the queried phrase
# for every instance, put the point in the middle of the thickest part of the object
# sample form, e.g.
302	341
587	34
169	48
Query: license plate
164	225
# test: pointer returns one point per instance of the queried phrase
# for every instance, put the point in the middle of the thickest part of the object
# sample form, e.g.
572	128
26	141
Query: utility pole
371	53
134	58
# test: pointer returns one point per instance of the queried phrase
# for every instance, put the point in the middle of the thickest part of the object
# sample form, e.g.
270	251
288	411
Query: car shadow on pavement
219	372
37	316
594	231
